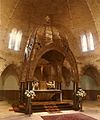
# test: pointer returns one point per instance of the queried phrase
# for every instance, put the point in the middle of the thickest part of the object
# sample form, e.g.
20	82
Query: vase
80	104
29	106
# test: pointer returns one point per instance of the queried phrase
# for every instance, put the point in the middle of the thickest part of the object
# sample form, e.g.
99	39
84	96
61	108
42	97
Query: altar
48	95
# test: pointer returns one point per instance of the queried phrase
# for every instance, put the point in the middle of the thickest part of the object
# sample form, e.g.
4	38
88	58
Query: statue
35	85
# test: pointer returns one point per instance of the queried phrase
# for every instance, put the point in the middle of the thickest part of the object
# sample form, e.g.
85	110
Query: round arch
10	82
92	71
65	52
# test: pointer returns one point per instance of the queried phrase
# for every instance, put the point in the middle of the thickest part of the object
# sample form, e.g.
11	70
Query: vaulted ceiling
74	17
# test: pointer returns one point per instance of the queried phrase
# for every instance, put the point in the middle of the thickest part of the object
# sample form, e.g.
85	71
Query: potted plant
30	94
80	94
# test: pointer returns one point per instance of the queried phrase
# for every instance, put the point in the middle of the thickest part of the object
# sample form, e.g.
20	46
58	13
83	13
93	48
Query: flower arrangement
81	93
30	94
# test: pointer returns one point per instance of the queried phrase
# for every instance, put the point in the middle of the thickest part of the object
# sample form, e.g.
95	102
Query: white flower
26	92
30	93
81	93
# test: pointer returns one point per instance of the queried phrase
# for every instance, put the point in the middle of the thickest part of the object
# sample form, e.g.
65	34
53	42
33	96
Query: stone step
52	108
47	106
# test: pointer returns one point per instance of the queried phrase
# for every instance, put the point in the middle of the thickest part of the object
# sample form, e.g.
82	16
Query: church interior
48	50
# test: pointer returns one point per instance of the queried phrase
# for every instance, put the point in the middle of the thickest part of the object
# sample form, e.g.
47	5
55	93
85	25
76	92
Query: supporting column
59	69
29	85
22	91
60	96
28	109
75	100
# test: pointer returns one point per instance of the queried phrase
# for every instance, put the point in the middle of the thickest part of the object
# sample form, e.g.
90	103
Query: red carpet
75	116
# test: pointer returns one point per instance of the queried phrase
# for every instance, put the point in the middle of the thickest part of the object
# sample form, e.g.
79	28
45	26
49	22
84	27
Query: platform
49	106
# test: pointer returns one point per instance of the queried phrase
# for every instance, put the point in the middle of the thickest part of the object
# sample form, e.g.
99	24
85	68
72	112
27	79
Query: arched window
12	38
15	39
84	43
18	40
90	41
87	42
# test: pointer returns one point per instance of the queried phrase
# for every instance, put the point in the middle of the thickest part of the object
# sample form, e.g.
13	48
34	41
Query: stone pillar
59	70
75	100
22	91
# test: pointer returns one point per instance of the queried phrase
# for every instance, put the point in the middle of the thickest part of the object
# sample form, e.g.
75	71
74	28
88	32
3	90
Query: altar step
50	106
46	108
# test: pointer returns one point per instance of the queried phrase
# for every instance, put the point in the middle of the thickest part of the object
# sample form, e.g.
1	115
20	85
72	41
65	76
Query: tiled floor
91	108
